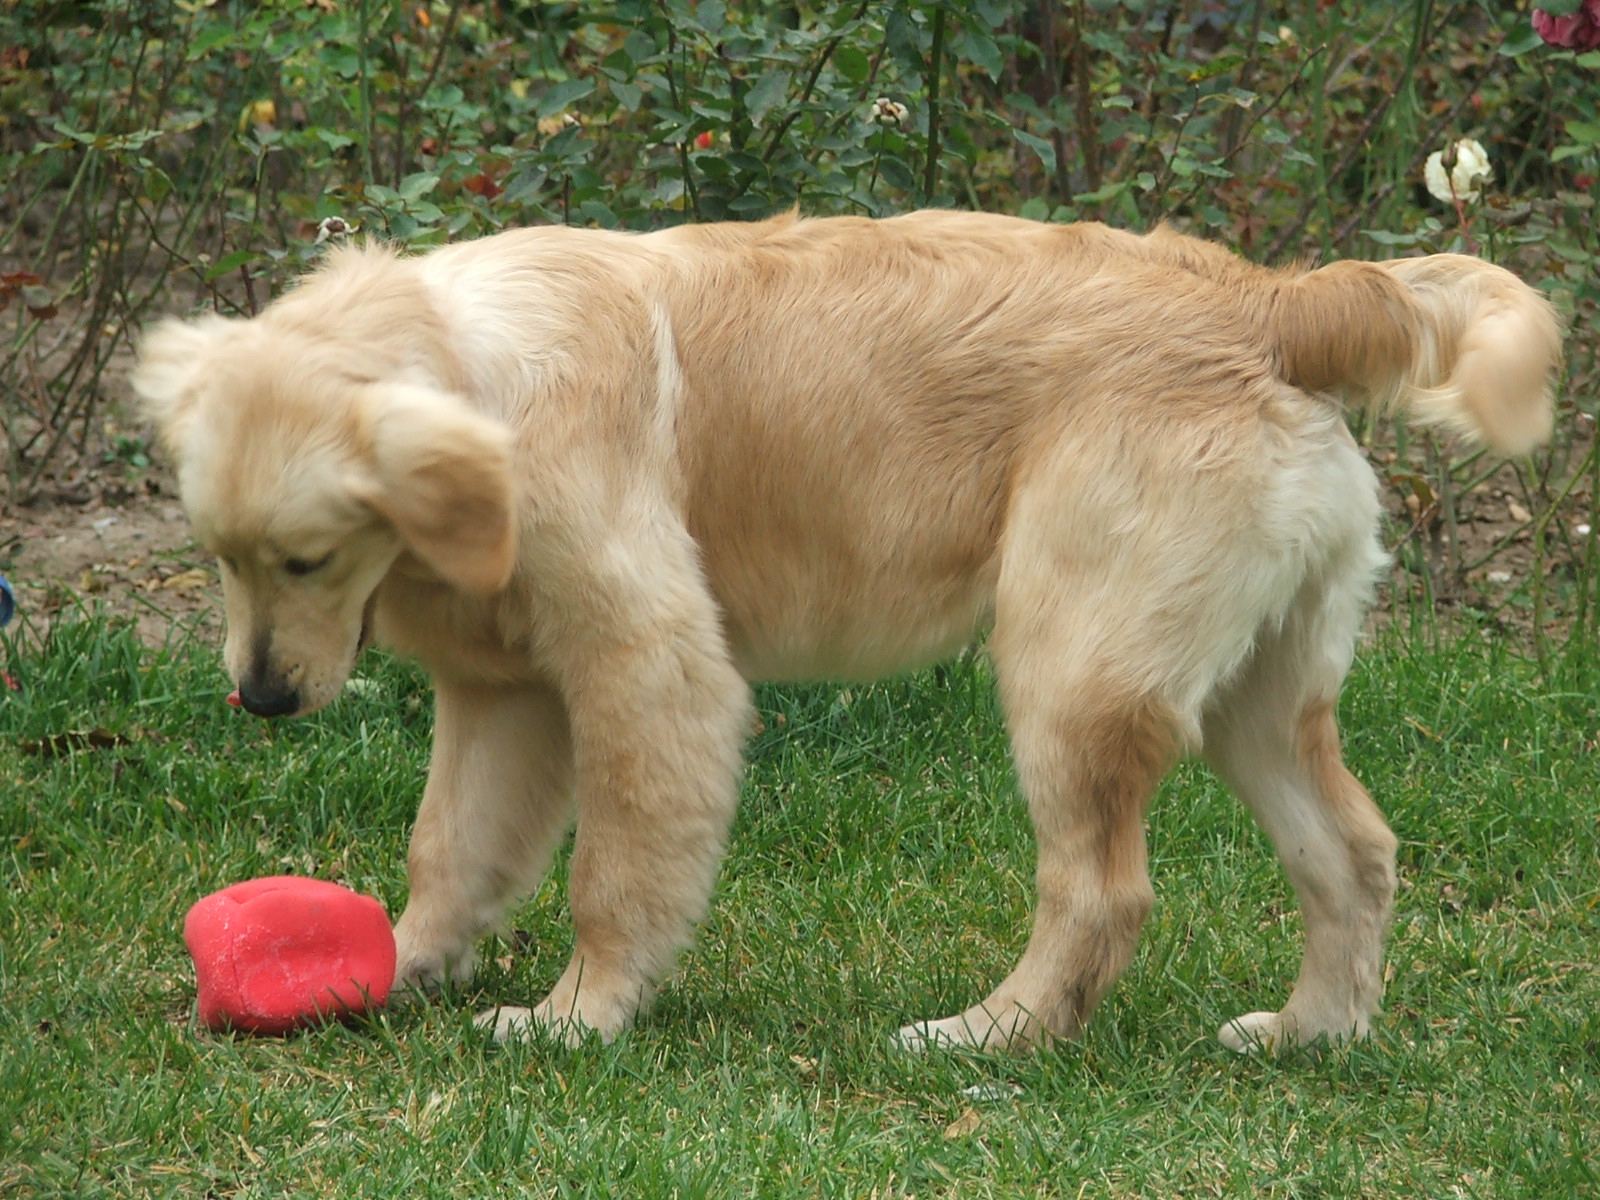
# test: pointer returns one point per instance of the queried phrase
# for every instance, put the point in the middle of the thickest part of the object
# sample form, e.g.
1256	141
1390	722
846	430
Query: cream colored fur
595	482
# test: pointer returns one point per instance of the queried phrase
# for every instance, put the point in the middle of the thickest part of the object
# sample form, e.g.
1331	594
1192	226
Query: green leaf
1527	40
414	187
1585	133
229	263
852	62
207	40
1041	147
993	15
628	95
769	90
157	183
981	50
1560	8
562	96
639	46
712	16
1219	65
898	174
1109	192
1384	238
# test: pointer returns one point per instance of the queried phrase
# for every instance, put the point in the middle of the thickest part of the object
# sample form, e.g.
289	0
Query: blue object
8	603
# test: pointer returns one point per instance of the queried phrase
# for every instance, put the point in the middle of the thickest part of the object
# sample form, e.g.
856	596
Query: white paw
508	1024
428	969
1253	1033
1010	1027
1285	1033
950	1033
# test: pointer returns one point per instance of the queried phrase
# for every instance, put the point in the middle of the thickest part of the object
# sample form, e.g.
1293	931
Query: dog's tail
1455	341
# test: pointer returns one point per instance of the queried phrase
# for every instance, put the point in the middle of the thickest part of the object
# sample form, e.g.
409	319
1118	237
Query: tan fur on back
595	482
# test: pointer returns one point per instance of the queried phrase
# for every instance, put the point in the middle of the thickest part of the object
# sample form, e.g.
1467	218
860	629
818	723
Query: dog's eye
304	566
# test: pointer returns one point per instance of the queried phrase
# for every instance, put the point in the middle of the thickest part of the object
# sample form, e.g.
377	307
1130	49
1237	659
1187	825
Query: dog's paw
1253	1033
508	1024
1010	1028
427	969
932	1035
511	1024
1279	1033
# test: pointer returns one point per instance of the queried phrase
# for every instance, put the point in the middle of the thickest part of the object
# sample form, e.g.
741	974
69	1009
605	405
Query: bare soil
114	542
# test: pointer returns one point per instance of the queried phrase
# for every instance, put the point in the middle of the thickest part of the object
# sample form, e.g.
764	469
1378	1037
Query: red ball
276	954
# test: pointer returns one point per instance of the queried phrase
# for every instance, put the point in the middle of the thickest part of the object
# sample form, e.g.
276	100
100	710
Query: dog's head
309	468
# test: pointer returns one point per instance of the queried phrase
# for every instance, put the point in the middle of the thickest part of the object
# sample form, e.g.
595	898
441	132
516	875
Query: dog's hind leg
1273	738
1089	770
1093	732
497	801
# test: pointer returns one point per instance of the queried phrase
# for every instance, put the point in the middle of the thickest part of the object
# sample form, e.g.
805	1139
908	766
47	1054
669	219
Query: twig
930	171
683	145
1088	130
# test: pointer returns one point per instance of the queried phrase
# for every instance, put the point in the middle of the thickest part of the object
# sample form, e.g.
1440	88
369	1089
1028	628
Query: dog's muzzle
267	701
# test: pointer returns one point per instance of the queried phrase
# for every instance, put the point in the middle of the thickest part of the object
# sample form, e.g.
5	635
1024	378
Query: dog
597	482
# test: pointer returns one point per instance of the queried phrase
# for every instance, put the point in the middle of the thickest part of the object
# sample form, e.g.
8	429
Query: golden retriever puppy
595	482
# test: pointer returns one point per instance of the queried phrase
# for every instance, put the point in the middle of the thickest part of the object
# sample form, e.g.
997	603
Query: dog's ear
172	362
441	475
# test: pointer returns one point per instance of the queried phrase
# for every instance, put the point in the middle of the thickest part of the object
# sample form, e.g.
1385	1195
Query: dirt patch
109	543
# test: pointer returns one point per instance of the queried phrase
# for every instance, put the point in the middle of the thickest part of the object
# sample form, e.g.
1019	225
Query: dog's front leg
658	723
498	799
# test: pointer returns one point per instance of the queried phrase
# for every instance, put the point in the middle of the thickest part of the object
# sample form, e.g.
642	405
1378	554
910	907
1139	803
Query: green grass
879	873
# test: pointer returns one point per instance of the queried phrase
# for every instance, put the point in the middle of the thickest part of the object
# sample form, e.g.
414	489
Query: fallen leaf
192	578
965	1125
75	739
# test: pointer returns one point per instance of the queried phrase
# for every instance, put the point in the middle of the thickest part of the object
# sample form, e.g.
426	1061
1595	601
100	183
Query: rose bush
1578	31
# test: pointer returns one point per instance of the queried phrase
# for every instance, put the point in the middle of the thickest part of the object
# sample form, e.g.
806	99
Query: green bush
195	153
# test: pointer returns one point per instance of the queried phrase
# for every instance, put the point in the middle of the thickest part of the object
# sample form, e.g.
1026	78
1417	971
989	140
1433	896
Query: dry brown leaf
183	580
73	740
965	1125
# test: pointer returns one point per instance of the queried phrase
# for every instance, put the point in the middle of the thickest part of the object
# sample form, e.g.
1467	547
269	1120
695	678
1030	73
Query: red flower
702	141
1580	31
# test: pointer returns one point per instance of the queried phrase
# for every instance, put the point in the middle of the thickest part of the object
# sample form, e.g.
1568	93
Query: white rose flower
1468	172
889	112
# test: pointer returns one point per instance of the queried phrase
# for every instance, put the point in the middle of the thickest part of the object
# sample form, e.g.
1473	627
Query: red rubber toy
277	954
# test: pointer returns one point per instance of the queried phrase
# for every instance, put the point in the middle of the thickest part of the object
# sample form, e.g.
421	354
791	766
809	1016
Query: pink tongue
235	699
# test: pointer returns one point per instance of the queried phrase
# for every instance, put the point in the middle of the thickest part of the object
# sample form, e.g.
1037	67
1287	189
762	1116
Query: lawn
879	873
164	158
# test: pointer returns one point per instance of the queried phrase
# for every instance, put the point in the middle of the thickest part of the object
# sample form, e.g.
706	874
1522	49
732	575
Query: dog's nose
268	701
